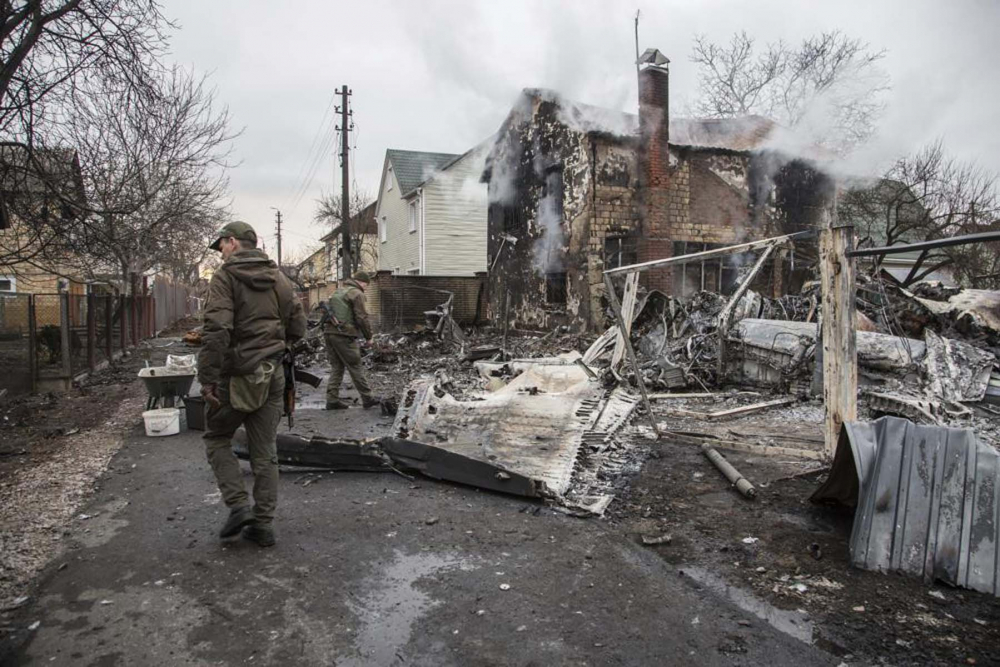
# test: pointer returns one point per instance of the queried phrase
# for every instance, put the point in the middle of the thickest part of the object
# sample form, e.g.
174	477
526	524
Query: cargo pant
262	428
344	354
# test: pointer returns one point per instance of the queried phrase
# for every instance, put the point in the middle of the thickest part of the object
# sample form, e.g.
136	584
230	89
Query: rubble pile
928	353
677	339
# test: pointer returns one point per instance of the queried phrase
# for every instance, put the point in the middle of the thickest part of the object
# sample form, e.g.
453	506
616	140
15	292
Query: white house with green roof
431	213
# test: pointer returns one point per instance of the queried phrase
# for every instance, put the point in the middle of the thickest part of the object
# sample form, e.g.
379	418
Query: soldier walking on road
348	321
251	314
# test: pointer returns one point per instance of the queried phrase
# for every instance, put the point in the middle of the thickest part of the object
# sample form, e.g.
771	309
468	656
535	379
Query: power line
312	146
317	161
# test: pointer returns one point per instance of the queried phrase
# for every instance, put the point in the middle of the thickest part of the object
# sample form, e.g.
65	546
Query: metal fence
16	343
173	302
46	337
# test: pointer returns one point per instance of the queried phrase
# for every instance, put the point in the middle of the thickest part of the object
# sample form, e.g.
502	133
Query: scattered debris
732	412
652	540
915	513
732	474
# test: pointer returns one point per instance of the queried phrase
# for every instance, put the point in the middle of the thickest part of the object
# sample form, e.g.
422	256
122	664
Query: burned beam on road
319	452
441	464
393	454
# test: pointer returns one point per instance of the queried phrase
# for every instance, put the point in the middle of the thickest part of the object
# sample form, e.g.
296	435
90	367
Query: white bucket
163	421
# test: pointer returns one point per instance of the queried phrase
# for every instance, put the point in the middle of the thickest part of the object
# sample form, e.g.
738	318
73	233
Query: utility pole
277	215
346	125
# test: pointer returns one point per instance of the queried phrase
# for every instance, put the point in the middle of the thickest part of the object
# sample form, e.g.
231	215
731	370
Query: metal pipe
732	474
926	245
506	323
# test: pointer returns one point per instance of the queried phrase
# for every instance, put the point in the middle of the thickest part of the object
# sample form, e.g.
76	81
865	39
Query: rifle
294	374
288	365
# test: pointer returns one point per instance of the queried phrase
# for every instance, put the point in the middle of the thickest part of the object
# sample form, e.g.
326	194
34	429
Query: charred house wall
568	202
543	167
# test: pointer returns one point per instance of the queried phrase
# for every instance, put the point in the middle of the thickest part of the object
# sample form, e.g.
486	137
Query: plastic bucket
163	421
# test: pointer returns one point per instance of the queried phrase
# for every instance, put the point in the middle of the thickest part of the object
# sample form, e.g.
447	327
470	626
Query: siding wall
455	206
402	247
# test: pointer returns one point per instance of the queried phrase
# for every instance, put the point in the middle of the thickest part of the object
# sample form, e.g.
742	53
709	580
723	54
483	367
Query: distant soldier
348	321
251	314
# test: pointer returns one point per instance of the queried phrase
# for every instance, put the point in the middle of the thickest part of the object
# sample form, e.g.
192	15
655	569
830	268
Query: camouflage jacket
251	314
347	308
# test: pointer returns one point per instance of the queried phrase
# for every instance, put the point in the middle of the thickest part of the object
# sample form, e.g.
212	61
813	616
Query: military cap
362	277
235	230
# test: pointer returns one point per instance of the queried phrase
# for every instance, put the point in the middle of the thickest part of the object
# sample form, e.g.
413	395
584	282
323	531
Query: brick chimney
654	165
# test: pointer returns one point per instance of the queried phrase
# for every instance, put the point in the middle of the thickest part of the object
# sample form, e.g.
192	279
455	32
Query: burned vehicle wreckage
704	278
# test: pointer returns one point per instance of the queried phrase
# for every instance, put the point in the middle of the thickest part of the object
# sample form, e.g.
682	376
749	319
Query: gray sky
441	75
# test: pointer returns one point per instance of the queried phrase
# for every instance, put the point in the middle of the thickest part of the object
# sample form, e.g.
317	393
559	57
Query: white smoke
547	251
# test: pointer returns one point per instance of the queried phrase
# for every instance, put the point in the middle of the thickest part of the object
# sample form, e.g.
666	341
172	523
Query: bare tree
925	196
830	84
154	179
54	49
363	229
119	162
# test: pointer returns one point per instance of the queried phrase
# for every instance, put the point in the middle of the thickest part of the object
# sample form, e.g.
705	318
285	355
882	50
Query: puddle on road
792	623
387	613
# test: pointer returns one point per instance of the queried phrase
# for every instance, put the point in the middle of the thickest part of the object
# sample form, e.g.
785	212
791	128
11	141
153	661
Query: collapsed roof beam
927	245
705	254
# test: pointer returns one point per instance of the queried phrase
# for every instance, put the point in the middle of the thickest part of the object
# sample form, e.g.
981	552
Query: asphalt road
368	570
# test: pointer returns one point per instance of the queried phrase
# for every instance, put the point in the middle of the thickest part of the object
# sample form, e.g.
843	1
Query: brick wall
712	210
399	301
664	186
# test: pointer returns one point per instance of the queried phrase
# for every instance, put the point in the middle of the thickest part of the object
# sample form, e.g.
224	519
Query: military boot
261	534
370	401
336	405
238	517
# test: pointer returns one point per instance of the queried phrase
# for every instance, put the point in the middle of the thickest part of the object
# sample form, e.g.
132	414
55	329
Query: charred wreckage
726	274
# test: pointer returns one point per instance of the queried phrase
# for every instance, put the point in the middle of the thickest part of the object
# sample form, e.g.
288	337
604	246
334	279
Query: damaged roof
736	134
414	167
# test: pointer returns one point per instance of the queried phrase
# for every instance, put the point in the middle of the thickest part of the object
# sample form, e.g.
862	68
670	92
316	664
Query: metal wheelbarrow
165	384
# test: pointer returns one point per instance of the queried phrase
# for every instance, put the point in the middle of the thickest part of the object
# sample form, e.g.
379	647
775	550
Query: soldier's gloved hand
210	394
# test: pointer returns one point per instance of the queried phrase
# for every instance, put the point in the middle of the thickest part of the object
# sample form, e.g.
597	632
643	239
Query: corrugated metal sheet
926	497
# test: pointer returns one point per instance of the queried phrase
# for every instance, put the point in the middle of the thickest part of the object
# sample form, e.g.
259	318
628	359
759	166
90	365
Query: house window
388	180
620	251
512	218
555	288
715	274
413	272
414	214
382	233
8	284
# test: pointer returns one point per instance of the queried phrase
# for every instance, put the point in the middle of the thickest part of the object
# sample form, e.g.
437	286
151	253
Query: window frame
383	232
413	214
626	254
551	284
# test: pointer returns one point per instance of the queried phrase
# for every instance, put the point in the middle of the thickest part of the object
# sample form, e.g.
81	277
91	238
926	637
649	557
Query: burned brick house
576	189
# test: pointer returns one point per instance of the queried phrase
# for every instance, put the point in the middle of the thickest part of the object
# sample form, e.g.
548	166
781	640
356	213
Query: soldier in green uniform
348	322
251	314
